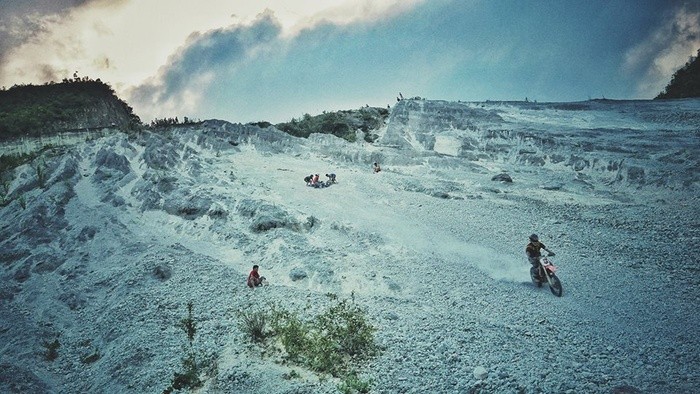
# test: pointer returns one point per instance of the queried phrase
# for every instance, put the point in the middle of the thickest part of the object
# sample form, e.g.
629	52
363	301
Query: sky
274	60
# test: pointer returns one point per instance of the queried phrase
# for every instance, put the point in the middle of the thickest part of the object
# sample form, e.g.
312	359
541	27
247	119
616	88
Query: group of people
314	181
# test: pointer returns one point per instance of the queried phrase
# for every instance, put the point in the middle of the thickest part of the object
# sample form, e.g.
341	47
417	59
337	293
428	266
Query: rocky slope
102	251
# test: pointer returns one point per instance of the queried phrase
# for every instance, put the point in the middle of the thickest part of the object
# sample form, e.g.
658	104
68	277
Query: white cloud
127	42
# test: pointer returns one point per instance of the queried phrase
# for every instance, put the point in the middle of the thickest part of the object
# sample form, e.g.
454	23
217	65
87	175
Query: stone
502	178
480	372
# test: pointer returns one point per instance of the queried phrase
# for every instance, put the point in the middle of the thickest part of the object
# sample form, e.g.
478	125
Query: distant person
532	250
254	278
376	168
331	178
314	181
308	179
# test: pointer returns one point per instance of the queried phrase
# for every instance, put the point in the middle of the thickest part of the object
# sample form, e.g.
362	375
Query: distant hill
40	110
685	82
342	124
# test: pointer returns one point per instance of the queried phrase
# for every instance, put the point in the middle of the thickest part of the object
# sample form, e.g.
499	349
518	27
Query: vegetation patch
36	110
51	349
341	124
196	365
336	342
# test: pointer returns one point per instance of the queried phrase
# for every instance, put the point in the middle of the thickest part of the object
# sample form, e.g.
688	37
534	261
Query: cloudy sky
252	60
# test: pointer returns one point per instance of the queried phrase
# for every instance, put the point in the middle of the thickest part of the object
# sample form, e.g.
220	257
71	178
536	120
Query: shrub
254	323
332	342
51	349
293	335
41	174
352	384
194	363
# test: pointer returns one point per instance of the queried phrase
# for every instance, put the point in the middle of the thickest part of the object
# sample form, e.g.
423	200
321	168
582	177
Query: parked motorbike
546	272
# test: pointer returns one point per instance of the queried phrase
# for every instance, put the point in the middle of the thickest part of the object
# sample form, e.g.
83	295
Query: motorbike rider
532	250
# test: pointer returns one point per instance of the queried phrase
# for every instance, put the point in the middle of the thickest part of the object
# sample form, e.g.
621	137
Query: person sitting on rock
376	168
331	178
254	278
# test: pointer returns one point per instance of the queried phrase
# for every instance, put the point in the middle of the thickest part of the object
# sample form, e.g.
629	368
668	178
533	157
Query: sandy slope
129	229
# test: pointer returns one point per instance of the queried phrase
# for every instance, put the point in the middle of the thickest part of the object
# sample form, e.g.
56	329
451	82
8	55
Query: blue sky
273	60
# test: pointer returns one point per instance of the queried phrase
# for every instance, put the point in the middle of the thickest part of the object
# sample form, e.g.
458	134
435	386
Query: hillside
105	244
42	110
685	82
343	124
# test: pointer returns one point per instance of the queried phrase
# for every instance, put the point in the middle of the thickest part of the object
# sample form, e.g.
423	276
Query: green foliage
51	349
685	82
291	375
255	324
4	191
194	363
332	342
34	110
41	174
165	122
293	333
188	324
8	162
342	124
353	384
22	202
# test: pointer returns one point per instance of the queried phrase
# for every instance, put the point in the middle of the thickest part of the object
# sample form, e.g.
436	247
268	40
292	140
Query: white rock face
104	246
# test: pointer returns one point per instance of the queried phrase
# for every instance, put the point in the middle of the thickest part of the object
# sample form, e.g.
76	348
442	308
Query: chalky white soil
127	230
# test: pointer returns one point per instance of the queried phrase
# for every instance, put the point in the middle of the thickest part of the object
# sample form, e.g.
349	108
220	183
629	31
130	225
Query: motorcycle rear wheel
555	286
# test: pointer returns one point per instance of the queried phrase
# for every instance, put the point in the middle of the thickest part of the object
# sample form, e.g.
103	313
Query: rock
480	373
502	178
297	274
552	186
162	272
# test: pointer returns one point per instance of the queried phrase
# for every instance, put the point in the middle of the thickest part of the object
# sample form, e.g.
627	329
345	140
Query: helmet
534	238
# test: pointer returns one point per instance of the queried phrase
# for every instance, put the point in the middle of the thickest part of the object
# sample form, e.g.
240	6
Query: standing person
532	250
314	181
254	278
376	168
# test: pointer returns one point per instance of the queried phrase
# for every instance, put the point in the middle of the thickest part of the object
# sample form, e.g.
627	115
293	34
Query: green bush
333	342
352	384
255	324
34	110
195	364
341	123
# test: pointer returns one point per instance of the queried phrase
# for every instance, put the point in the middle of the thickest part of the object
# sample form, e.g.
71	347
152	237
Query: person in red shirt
254	278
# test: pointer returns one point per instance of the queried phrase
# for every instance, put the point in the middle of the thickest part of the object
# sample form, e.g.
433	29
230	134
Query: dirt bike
545	272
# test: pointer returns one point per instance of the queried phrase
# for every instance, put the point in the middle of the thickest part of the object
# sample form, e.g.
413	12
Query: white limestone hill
103	248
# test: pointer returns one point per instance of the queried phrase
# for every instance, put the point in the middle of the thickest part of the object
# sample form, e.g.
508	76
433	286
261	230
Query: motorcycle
546	272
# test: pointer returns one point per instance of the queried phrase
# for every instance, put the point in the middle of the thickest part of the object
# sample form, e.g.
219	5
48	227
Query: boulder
502	178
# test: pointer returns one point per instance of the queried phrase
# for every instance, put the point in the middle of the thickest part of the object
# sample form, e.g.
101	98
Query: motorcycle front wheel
555	286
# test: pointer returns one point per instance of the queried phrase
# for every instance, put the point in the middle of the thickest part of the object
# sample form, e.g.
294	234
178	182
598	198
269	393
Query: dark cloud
20	20
205	54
